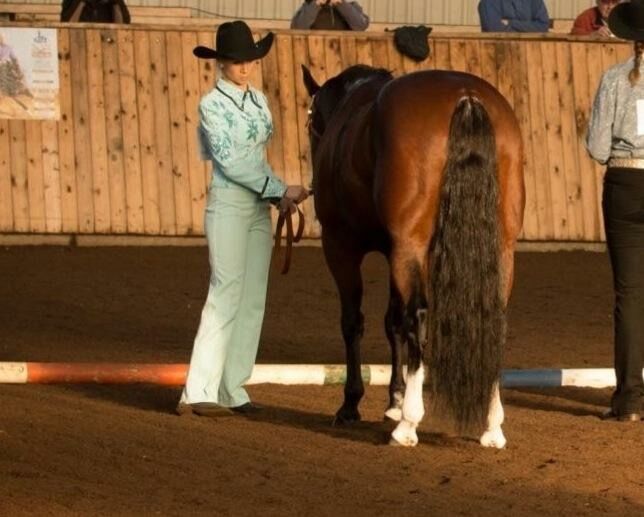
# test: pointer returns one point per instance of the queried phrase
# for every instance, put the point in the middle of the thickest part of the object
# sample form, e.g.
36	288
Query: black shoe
624	417
247	409
207	409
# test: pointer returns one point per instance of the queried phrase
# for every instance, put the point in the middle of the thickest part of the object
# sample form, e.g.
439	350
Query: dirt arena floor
120	450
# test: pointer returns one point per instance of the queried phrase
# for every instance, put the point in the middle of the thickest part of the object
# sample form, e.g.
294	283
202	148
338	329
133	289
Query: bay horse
427	169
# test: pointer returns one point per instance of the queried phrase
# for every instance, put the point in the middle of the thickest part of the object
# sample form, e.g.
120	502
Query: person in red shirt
594	21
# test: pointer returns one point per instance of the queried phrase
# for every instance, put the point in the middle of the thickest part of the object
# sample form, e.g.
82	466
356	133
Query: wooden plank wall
123	158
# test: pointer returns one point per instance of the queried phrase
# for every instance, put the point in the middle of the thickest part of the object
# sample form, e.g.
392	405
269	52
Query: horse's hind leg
344	264
493	435
393	329
410	274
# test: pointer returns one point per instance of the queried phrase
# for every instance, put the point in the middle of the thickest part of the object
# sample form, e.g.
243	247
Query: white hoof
394	414
493	438
404	435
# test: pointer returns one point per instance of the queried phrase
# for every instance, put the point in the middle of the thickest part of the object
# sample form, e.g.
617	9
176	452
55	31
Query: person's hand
296	193
321	2
335	2
287	205
604	32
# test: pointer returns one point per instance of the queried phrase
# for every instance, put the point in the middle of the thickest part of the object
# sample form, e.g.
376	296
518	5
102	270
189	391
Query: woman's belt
628	163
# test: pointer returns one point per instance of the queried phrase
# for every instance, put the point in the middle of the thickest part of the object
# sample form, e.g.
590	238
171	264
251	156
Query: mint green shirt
234	127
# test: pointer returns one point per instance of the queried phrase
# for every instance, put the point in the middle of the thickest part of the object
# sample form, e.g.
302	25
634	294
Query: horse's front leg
393	329
344	264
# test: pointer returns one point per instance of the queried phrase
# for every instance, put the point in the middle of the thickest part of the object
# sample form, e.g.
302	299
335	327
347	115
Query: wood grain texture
123	158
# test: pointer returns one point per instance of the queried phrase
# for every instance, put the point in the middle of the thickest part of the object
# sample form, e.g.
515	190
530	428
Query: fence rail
123	157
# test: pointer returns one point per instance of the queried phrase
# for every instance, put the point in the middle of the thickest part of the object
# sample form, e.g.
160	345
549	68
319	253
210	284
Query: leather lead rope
287	217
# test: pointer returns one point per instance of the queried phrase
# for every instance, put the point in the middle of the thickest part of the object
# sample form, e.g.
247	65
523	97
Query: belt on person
628	163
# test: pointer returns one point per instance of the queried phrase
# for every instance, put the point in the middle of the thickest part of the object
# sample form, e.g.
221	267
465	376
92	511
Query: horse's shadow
570	400
580	402
163	400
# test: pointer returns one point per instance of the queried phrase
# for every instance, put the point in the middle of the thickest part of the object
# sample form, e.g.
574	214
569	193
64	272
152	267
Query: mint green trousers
238	231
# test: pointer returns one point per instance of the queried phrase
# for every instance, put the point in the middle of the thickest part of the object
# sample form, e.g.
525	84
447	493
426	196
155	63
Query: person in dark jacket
513	16
330	15
95	11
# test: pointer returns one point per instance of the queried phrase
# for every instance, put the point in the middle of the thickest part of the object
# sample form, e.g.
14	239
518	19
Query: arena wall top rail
123	157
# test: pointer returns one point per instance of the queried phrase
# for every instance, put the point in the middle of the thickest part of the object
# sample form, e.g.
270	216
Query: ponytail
634	74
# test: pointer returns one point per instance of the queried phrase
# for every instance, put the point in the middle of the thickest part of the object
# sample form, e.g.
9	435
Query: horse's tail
468	317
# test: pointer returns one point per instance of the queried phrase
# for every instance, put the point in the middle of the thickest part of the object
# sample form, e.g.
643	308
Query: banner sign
29	84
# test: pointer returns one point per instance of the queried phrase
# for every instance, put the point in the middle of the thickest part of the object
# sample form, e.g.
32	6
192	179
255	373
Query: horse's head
326	98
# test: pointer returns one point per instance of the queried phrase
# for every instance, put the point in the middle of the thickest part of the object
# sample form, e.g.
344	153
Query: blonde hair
634	74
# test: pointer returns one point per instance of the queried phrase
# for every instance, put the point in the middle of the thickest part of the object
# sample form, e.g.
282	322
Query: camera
97	3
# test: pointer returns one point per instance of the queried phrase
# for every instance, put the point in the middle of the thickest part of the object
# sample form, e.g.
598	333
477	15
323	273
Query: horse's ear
311	85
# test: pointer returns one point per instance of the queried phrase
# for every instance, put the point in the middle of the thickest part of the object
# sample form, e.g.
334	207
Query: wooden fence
123	158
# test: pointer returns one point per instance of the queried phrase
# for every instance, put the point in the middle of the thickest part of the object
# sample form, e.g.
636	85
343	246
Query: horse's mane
358	74
336	92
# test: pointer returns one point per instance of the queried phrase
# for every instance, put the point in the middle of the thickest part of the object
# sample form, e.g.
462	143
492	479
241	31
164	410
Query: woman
616	138
235	124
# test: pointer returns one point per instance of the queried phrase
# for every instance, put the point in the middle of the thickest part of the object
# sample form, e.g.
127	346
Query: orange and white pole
288	374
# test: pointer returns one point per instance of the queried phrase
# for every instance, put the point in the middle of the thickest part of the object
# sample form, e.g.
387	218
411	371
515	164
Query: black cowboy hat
626	20
235	41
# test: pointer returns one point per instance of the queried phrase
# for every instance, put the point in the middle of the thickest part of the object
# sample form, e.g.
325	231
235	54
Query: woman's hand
296	193
287	206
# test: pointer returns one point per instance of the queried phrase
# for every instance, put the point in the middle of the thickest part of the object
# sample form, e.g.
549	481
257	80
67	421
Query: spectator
513	16
594	21
95	11
615	139
330	15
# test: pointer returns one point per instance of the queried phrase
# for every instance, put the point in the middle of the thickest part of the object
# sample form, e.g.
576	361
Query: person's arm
305	16
583	24
71	10
580	26
600	128
491	16
539	19
353	15
121	12
250	171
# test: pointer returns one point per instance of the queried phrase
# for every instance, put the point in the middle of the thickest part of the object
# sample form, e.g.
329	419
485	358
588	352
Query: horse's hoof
408	442
393	414
493	439
346	417
404	435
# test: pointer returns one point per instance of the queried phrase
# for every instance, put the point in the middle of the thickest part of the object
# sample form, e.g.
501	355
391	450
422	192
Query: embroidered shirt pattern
234	127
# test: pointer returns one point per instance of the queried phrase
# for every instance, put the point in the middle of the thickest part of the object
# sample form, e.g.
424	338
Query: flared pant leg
239	242
623	207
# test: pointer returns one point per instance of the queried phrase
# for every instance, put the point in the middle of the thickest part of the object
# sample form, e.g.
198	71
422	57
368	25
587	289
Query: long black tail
468	316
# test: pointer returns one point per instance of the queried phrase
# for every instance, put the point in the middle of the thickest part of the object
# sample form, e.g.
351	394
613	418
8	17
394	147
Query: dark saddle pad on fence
412	41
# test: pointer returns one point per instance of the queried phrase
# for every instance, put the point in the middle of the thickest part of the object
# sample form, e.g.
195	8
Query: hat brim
258	51
619	23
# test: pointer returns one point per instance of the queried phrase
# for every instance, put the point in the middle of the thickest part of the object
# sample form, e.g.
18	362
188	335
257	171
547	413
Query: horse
427	169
